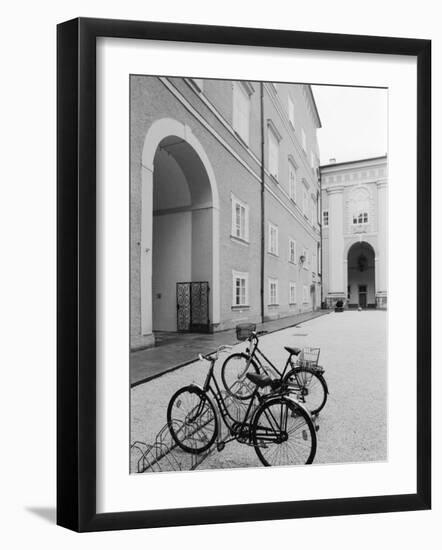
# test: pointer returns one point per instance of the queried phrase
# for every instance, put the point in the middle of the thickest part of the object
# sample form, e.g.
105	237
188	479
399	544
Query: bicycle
302	377
280	429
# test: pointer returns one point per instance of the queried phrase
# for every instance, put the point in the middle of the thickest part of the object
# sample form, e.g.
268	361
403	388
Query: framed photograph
243	274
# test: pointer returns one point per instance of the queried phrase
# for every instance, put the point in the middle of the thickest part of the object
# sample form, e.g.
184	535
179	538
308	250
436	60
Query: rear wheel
309	387
233	375
192	420
283	433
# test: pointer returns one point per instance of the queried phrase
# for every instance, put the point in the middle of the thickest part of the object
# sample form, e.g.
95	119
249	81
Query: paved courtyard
353	424
175	349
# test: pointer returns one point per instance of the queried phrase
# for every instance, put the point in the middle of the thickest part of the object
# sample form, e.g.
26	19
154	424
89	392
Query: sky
354	122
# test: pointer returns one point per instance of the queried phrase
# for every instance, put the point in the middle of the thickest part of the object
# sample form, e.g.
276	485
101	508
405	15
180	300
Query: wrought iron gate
192	304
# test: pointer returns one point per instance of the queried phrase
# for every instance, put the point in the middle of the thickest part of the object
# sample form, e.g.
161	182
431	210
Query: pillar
146	255
381	260
337	290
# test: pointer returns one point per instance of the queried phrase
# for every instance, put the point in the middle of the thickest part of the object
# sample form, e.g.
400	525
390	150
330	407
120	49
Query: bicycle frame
255	353
228	419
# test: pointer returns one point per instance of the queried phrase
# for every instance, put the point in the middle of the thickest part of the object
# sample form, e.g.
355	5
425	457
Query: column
336	244
146	255
381	260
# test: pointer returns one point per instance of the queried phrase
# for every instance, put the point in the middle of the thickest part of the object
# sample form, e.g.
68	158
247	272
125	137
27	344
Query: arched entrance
361	289
179	226
182	239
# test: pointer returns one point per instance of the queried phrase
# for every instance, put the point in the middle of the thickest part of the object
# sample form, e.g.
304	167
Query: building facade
354	232
224	204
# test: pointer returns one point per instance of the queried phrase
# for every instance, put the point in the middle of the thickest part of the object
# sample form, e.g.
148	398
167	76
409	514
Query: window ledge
273	305
293	263
239	240
239	308
274	178
292	304
273	254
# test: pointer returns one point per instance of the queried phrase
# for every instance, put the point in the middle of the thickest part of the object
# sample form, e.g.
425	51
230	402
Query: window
360	217
304	201
240	219
325	218
291	111
292	293
292	181
273	154
304	140
360	205
240	288
306	263
241	111
292	251
305	294
273	292
273	239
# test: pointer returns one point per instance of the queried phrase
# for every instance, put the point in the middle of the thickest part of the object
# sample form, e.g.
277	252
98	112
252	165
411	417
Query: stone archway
179	223
361	275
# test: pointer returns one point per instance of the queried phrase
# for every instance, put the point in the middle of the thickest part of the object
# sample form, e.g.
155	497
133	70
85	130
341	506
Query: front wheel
283	433
309	388
233	375
192	420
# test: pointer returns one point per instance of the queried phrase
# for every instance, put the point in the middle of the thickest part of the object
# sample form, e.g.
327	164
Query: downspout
262	202
320	234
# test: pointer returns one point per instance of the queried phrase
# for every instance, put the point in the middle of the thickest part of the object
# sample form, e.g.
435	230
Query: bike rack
165	455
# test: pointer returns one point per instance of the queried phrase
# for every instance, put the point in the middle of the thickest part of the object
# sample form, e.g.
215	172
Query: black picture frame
77	287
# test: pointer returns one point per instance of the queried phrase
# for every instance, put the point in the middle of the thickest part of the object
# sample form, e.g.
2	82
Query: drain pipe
320	235
262	202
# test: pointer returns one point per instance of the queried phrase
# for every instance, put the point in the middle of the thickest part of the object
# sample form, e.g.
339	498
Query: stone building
224	204
354	232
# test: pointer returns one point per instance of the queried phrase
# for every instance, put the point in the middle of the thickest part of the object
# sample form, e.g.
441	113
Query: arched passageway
178	227
361	290
181	238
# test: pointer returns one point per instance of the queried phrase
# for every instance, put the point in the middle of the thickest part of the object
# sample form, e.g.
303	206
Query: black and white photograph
217	295
258	274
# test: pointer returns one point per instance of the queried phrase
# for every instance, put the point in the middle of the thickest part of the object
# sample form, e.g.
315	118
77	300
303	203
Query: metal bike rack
165	455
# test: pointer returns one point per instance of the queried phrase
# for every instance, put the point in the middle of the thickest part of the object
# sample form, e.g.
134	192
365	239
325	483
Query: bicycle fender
325	383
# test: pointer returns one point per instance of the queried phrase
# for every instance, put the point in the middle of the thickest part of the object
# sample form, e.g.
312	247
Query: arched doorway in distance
361	287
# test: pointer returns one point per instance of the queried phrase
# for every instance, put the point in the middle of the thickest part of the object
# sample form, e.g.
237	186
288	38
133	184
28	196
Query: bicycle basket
244	331
309	357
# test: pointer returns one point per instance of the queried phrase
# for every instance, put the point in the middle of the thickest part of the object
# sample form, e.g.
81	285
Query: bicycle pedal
317	427
220	446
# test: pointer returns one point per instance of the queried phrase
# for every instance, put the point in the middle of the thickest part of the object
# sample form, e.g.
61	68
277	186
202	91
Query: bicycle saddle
262	380
293	351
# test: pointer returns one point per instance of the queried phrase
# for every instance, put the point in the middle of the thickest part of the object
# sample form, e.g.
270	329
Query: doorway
361	276
362	291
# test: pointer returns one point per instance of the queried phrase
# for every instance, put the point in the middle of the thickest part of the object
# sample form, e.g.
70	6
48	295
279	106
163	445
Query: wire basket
309	357
244	331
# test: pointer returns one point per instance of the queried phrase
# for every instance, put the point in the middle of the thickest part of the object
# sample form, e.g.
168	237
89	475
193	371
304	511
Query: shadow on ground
47	513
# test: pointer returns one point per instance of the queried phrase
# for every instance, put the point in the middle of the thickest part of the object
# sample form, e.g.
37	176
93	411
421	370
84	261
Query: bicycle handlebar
214	355
259	333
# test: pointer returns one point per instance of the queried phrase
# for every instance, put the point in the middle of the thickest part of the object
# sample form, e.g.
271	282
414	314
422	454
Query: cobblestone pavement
353	424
